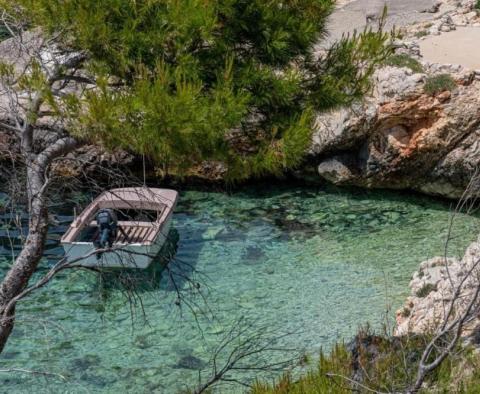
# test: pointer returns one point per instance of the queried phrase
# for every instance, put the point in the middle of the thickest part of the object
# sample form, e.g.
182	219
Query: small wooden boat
144	219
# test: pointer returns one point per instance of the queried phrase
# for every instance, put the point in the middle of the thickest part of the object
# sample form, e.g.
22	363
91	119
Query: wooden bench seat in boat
133	232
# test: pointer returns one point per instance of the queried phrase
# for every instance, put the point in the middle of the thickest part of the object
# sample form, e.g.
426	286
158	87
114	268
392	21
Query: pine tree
230	80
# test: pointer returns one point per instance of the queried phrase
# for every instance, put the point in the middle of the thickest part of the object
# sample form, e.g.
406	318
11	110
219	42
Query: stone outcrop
432	289
402	137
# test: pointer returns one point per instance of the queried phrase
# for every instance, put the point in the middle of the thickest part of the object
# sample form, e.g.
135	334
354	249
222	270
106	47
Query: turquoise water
310	262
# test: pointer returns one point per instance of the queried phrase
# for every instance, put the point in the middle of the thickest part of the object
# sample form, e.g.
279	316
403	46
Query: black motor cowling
107	224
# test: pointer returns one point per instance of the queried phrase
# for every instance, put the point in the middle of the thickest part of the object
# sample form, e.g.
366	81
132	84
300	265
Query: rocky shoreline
404	135
433	287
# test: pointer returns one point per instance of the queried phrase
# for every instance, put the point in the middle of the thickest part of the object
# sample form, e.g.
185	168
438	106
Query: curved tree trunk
22	269
17	278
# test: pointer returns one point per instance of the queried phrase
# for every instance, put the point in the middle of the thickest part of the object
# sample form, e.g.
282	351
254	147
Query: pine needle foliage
195	77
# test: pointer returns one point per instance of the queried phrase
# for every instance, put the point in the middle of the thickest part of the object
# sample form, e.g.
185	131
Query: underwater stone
141	341
253	254
230	234
86	362
212	232
190	362
10	355
96	380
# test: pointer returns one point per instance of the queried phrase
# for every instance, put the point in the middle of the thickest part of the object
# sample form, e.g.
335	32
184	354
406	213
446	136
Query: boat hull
134	255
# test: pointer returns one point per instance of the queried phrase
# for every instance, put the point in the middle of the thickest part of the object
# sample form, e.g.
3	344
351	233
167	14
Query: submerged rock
191	362
230	234
84	363
253	254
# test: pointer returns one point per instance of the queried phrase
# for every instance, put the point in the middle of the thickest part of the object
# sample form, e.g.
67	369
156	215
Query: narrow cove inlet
312	262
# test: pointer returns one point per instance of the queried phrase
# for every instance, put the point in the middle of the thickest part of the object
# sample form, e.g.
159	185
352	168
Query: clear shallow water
314	262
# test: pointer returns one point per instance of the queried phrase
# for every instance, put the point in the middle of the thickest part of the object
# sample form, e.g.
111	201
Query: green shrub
383	364
439	83
379	360
425	290
477	5
404	60
421	33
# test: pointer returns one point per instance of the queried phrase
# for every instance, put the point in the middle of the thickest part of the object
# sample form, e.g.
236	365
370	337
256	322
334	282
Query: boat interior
134	226
141	214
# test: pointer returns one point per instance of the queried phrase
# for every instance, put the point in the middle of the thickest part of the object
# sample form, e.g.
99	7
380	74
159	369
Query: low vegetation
421	33
426	289
477	5
404	60
380	364
439	83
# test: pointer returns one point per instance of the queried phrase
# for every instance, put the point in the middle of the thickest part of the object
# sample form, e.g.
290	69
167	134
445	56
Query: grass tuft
404	60
425	290
421	33
439	83
406	312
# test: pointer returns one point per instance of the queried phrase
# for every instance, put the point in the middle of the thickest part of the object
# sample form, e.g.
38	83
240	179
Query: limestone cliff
403	137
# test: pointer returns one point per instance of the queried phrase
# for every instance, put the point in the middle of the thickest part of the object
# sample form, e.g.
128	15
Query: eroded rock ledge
404	138
432	289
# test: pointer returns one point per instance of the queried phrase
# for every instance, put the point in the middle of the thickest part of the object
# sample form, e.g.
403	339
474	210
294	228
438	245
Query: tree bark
17	278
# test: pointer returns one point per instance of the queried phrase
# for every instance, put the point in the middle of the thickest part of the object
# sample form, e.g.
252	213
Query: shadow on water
142	280
171	270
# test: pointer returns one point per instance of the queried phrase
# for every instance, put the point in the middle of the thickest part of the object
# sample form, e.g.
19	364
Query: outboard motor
107	228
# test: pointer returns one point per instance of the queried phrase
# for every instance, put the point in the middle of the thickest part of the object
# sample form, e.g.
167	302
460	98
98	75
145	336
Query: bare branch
29	371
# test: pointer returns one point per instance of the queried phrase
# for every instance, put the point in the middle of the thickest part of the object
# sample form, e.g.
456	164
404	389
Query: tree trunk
17	278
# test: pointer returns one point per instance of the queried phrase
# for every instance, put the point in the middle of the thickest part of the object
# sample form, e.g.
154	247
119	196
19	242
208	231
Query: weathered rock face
402	137
432	289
